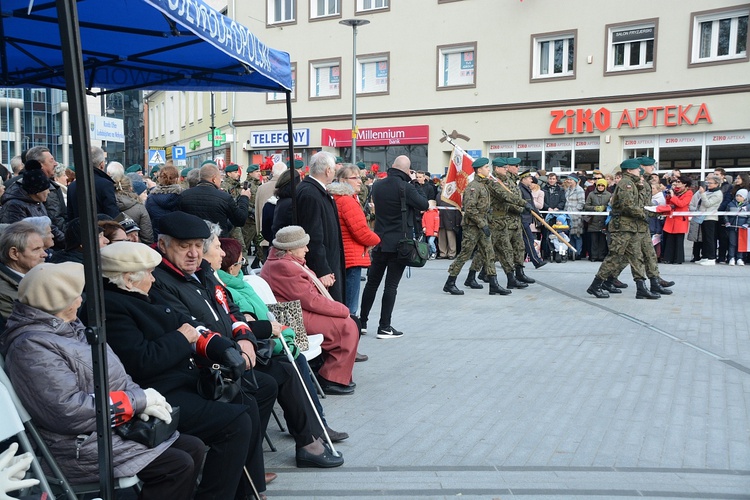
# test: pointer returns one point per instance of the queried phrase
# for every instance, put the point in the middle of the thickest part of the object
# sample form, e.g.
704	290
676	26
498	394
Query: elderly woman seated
49	362
290	279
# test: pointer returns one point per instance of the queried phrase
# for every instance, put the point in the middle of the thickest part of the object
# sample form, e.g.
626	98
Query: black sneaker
389	333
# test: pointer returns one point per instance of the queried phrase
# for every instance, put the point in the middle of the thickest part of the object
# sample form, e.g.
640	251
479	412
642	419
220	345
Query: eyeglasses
355	178
242	262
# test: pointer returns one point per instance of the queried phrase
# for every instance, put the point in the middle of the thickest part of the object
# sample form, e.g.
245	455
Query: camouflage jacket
506	201
476	202
232	187
627	205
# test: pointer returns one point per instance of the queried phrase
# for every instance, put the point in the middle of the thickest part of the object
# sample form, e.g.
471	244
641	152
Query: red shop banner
382	136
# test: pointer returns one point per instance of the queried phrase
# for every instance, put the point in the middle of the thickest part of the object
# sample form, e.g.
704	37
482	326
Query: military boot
495	288
471	281
483	276
610	287
521	276
514	283
451	288
595	289
642	292
618	283
664	283
656	287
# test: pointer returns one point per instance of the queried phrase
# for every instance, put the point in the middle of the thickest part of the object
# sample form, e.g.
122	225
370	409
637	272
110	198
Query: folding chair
16	417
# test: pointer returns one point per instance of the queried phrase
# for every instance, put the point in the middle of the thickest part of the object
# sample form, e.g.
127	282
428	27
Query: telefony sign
585	120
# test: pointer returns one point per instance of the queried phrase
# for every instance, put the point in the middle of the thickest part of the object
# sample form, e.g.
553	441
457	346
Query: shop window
719	36
553	55
325	8
457	66
373	74
281	96
371	5
325	79
631	47
281	11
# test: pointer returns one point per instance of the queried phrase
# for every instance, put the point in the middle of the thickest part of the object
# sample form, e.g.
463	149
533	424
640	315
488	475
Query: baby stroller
561	224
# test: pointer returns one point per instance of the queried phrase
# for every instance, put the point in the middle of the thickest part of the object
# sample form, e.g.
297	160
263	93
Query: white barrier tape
650	209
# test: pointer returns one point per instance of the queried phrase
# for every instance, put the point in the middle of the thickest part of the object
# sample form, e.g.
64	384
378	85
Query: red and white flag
460	173
742	243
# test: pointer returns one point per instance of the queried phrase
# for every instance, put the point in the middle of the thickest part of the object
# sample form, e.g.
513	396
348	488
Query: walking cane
309	398
252	484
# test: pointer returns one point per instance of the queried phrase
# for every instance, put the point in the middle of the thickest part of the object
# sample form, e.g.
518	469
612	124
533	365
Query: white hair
278	169
116	170
320	161
118	279
215	233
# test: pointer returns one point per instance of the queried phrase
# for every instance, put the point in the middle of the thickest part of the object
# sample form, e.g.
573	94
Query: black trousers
708	235
299	415
599	248
174	473
264	396
722	238
528	245
382	262
674	247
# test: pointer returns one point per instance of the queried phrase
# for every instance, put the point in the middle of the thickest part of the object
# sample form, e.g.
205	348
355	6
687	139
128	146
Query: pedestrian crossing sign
156	157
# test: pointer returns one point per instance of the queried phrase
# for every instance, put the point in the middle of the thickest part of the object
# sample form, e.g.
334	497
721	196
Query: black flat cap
184	226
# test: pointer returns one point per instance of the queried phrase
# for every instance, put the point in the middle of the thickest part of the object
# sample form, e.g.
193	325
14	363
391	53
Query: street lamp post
354	23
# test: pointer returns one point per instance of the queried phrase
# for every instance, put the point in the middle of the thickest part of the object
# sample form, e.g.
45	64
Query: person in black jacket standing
386	194
209	202
319	217
106	203
554	200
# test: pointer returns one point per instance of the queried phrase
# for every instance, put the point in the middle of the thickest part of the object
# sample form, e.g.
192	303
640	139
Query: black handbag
151	433
214	385
410	251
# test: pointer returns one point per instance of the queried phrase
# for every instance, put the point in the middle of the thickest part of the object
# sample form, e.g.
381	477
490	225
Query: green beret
361	165
208	162
646	161
298	164
154	169
134	168
185	171
480	162
513	161
630	164
499	161
253	168
339	159
232	167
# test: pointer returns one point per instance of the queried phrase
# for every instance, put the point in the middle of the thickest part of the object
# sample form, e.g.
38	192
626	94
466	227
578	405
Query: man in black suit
317	214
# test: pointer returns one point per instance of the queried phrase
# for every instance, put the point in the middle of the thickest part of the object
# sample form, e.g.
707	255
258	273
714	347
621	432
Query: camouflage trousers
647	256
501	247
250	237
516	242
474	238
624	248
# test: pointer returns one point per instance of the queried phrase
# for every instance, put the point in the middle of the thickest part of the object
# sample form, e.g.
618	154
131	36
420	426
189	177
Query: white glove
13	470
156	406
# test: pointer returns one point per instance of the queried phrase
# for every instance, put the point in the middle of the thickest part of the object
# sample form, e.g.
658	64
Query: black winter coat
161	201
55	205
210	203
104	187
16	206
318	215
554	197
282	214
450	220
386	195
526	195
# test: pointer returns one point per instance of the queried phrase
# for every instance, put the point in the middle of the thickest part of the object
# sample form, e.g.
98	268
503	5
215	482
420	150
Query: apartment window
719	36
183	111
170	114
372	74
224	99
457	66
40	124
281	96
553	55
191	107
630	47
200	104
281	11
325	79
39	95
370	5
324	8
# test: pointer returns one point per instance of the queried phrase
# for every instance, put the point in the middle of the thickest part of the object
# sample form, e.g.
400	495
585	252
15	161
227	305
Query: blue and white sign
179	152
264	139
106	129
474	153
155	157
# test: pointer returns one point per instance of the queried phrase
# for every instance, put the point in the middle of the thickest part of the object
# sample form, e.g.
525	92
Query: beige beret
52	287
129	257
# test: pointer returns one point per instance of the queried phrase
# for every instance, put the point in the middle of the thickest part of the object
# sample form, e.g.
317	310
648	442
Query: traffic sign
155	157
179	152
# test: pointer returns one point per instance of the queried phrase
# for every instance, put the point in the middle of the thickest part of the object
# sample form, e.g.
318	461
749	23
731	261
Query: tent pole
290	129
67	12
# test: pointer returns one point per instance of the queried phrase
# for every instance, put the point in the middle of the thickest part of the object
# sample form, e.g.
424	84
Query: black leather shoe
334	389
361	357
336	436
325	460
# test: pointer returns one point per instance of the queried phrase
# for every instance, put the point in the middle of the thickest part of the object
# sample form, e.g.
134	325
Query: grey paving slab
546	393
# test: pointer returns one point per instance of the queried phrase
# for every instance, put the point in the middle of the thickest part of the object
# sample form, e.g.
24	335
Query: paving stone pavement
546	393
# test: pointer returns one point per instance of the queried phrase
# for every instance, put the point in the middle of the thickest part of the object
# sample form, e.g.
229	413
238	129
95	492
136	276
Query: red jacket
431	222
355	233
677	224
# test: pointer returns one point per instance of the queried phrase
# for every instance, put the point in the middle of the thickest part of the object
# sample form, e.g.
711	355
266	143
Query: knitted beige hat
291	237
52	287
129	257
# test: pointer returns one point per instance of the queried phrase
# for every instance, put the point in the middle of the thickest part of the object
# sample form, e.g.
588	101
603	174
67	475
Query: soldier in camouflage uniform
231	184
647	252
250	233
629	220
476	229
505	207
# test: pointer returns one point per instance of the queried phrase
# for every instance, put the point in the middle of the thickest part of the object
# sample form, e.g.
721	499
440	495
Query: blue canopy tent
104	46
